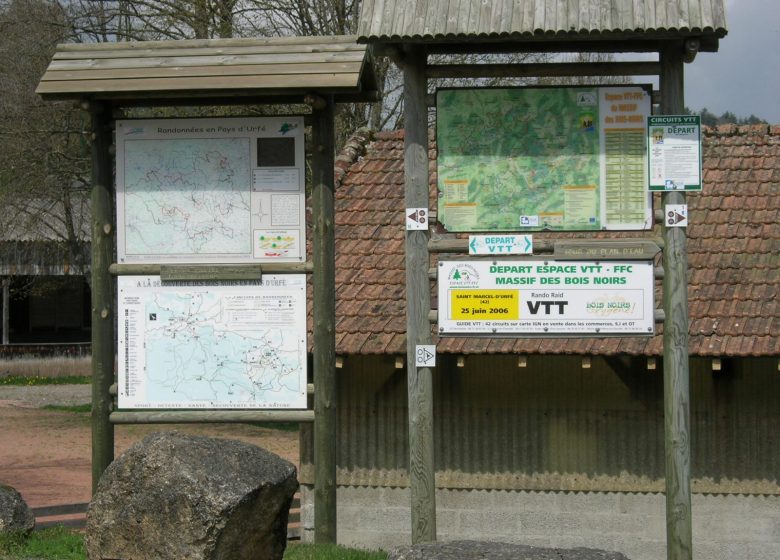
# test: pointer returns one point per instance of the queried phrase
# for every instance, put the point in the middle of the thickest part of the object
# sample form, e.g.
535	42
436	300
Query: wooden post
6	310
676	372
324	250
102	291
418	301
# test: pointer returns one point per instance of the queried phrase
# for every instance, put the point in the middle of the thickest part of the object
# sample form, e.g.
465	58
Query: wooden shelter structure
409	32
106	78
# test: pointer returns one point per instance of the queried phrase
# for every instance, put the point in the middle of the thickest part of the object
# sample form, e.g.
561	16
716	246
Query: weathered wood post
418	300
102	290
6	310
676	372
324	259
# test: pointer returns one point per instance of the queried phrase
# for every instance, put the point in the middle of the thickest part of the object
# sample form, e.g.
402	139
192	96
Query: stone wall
725	527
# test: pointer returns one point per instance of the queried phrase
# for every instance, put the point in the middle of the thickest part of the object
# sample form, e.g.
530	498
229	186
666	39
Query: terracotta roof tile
733	251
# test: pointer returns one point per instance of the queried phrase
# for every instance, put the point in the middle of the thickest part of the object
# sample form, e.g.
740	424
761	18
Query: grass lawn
59	543
44	380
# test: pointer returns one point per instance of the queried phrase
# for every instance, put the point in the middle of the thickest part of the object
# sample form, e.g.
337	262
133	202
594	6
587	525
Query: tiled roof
733	248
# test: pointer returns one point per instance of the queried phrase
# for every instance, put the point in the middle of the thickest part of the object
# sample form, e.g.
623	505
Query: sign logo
425	355
416	218
677	215
464	275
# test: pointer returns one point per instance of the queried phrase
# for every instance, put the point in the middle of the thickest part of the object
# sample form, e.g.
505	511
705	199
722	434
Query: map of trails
532	158
212	346
187	196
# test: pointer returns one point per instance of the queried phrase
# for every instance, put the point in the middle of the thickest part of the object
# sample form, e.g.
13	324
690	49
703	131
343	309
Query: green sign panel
674	156
529	159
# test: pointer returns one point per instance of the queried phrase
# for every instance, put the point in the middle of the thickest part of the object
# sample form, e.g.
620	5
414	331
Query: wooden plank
677	401
216	273
173	52
544	70
114	390
278	82
188	71
606	249
64	509
418	302
216	60
267	268
6	310
103	317
209	416
324	354
209	43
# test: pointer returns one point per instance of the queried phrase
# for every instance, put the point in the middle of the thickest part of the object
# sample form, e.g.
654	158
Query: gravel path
41	395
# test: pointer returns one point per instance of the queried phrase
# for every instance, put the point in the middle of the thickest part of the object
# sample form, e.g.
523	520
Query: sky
744	75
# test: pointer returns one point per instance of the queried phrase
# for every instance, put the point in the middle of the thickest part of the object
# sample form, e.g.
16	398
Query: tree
44	154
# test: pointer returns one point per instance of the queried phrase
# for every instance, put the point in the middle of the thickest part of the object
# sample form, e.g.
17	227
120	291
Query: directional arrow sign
501	245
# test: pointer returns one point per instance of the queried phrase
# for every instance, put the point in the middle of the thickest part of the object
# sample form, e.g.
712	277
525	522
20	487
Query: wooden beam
418	302
692	47
677	402
210	416
6	310
242	270
559	69
324	353
103	315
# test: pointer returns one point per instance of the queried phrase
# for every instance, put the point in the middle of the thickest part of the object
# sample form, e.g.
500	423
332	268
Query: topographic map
187	196
553	148
513	159
212	346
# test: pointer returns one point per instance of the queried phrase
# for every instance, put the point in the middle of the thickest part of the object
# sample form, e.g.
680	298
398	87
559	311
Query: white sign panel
416	218
210	190
674	153
212	345
546	298
501	245
425	355
676	215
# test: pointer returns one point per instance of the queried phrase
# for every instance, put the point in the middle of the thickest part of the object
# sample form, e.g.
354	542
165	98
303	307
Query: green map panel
519	159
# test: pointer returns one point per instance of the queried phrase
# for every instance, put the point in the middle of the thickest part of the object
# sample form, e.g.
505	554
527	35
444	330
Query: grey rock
15	514
175	496
483	550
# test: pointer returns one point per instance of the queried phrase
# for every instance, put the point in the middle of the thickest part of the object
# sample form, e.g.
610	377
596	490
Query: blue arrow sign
501	245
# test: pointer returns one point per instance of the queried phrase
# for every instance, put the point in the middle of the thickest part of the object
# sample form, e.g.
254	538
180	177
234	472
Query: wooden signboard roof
438	21
283	66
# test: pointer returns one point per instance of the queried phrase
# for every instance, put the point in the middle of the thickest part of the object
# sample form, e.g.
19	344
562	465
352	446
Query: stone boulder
15	515
174	496
469	550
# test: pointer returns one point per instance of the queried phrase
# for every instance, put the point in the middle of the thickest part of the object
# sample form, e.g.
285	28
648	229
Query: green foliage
42	380
280	426
709	118
78	408
59	543
56	543
330	552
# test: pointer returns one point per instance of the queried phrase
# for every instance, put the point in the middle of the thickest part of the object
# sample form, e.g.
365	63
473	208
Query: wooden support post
676	372
418	301
6	310
324	250
102	292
